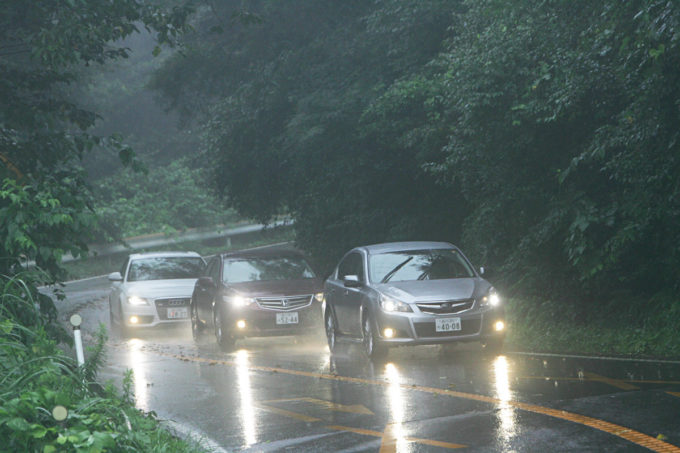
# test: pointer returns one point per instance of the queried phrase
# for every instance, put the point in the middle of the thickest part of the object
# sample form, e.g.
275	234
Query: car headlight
318	297
391	305
136	300
491	298
238	301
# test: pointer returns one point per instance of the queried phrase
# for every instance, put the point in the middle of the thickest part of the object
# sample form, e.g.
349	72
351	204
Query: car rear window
165	268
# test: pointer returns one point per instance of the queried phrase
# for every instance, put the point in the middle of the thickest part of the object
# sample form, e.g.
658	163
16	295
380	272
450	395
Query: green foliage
540	136
43	135
165	199
36	376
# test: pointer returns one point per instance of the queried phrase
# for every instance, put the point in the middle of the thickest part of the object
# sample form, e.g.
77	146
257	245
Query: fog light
134	320
500	325
388	333
241	324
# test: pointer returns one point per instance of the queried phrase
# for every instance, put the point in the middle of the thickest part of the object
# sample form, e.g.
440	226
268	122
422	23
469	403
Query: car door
205	288
347	299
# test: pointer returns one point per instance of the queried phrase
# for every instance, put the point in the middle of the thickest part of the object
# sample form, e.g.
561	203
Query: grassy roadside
548	326
50	404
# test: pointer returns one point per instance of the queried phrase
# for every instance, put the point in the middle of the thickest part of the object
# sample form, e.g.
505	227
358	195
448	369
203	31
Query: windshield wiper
391	273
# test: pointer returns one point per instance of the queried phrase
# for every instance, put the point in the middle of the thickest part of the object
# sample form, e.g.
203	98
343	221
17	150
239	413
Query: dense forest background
540	136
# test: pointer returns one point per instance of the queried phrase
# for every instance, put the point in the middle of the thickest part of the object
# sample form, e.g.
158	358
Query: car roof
387	247
164	255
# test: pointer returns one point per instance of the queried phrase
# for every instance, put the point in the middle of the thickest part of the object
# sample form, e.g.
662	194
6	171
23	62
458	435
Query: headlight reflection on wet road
247	414
506	414
138	366
395	429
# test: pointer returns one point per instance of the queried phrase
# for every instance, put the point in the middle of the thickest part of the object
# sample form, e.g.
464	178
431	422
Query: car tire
331	333
197	329
372	348
224	339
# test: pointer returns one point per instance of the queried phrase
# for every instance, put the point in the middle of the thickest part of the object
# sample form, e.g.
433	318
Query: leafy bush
164	199
36	376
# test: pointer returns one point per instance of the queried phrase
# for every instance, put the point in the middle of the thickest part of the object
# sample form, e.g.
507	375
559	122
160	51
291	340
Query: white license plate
447	324
287	318
178	313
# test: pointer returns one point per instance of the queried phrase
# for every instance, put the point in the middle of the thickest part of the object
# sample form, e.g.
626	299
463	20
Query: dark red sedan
260	292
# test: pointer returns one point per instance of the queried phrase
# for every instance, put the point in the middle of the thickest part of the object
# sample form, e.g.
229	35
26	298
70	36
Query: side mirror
351	281
115	277
486	272
206	282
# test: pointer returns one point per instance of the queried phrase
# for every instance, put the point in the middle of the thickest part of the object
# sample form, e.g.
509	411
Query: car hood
155	289
277	287
431	290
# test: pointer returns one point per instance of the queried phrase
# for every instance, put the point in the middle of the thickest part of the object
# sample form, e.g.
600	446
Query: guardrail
155	240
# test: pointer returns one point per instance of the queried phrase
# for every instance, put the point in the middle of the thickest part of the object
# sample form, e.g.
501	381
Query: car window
351	265
165	268
410	265
124	267
214	271
238	270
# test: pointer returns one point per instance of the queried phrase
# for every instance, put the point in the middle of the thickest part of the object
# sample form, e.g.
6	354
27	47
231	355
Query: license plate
447	324
287	318
178	313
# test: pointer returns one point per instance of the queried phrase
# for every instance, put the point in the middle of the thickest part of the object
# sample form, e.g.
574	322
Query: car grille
284	303
162	305
468	327
446	306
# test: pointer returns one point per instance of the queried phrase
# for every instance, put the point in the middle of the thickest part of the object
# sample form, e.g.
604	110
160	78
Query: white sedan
152	289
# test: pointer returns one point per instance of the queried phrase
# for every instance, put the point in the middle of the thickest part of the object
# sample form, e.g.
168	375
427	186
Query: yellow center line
628	434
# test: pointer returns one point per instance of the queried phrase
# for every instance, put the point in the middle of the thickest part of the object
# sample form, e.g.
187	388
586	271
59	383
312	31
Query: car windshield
238	270
165	268
435	264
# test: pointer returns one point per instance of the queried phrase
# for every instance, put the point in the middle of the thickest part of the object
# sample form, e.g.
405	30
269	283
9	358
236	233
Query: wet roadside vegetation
48	403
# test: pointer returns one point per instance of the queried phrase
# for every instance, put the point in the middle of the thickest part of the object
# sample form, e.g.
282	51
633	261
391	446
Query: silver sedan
152	289
410	293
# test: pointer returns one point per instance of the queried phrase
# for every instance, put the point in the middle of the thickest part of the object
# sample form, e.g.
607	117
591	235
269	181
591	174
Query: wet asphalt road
287	394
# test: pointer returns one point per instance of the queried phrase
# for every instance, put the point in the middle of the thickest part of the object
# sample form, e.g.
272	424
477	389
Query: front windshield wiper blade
391	273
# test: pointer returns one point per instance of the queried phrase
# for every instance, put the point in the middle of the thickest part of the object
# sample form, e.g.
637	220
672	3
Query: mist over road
287	393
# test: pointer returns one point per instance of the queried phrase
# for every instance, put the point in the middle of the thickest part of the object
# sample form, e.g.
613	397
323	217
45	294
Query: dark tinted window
237	270
434	264
165	268
351	265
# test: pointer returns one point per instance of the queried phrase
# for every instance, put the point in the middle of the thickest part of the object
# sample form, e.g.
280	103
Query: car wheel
331	337
372	348
196	326
493	346
224	339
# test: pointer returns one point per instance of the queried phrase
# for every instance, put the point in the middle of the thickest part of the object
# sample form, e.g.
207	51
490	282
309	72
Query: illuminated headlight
136	300
318	297
238	301
492	298
391	305
499	326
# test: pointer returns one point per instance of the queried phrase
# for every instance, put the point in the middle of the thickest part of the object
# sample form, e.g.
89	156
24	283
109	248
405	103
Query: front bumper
170	311
254	321
420	329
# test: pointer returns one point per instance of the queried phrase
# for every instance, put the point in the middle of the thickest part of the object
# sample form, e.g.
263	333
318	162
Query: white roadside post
76	320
